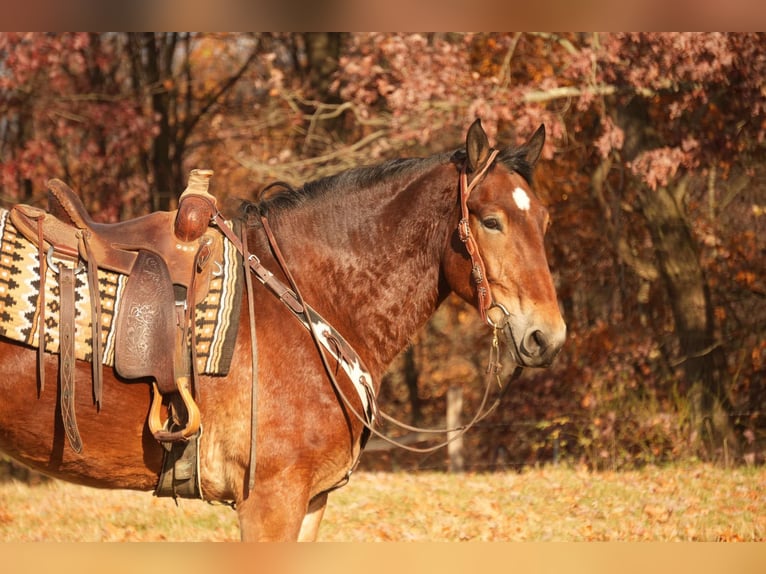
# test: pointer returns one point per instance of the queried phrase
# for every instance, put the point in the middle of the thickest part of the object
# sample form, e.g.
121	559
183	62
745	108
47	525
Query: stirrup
159	429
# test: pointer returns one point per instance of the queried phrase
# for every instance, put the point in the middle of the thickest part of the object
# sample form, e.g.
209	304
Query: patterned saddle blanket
216	317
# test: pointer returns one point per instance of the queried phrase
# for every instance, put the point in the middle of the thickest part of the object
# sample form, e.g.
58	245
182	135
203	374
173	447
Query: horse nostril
539	347
535	343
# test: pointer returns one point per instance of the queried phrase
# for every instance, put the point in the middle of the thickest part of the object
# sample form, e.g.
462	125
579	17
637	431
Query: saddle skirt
216	315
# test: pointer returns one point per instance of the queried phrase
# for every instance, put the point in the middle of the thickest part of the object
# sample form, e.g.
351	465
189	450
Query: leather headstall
478	270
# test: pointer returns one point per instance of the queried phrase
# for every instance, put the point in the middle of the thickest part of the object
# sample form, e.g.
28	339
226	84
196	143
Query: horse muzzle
533	343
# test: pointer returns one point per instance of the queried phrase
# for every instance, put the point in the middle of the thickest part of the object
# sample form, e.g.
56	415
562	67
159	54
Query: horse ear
534	146
477	146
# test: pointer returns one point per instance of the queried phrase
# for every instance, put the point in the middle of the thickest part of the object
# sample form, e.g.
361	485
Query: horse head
497	254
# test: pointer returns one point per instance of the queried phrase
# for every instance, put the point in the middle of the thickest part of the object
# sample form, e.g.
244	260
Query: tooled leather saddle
165	256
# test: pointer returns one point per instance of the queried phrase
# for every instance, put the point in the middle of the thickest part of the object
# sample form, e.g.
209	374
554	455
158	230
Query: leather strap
323	333
41	307
254	363
95	318
67	361
201	259
478	271
265	276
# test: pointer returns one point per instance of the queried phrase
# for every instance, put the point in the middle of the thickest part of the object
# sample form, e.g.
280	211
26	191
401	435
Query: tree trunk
159	52
411	380
679	268
322	55
700	356
322	58
148	52
161	70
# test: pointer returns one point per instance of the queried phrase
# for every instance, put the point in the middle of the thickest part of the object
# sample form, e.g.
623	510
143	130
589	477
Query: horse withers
370	254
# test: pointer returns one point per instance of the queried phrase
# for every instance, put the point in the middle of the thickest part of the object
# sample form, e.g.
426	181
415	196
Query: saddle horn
195	207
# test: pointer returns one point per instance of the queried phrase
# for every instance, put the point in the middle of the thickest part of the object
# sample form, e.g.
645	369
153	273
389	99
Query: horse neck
369	261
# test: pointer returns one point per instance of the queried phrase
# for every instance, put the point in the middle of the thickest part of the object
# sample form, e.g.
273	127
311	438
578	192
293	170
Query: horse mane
288	197
358	178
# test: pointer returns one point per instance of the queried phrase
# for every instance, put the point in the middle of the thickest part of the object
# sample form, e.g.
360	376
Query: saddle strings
97	357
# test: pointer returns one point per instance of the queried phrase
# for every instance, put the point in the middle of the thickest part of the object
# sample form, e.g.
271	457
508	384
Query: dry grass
63	512
551	504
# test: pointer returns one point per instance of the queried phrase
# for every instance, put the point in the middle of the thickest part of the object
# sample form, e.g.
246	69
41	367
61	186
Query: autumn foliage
652	170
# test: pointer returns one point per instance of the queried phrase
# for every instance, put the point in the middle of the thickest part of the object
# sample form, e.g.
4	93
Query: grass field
680	503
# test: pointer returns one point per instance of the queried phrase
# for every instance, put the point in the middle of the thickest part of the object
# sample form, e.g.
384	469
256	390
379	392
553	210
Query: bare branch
210	99
287	171
561	92
567	92
505	70
701	353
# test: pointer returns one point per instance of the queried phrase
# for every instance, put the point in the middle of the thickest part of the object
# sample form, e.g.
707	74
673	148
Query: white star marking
521	198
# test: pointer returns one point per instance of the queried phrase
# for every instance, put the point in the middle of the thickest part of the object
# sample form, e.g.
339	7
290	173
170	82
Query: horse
373	250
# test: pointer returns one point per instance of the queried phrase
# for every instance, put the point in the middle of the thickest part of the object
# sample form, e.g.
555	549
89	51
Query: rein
324	335
329	340
492	368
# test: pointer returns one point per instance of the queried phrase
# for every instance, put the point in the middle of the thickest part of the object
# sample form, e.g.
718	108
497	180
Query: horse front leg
313	518
272	514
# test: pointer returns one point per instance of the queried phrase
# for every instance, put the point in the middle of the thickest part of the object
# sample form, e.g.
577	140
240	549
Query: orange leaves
657	513
486	56
611	139
658	166
729	536
758	356
746	277
682	503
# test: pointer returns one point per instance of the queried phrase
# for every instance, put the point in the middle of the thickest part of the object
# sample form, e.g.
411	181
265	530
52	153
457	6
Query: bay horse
374	251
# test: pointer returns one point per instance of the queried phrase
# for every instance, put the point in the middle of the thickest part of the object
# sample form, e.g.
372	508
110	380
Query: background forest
653	171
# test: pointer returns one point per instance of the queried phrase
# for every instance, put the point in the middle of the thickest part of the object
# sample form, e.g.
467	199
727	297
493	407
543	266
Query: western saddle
165	256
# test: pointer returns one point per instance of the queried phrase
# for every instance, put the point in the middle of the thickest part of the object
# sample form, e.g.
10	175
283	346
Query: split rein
293	299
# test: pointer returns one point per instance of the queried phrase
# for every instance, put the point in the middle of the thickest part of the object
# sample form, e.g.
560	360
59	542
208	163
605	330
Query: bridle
478	270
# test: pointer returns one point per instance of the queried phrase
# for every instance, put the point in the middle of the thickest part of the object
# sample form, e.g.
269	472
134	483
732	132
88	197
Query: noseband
478	270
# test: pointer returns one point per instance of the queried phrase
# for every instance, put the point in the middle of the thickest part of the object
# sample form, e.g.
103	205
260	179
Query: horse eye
492	223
